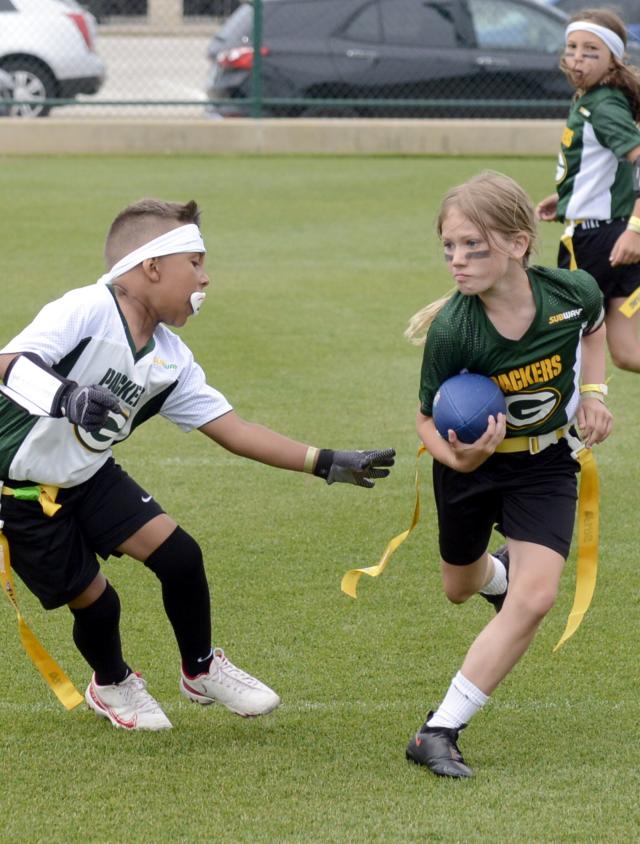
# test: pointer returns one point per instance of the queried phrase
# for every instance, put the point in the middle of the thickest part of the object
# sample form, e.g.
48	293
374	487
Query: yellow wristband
310	460
633	224
595	388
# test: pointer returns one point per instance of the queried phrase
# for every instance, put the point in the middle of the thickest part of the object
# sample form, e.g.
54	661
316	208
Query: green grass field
316	265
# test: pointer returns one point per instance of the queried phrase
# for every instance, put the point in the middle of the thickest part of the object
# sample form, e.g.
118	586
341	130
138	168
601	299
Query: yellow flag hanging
61	685
588	538
631	304
350	579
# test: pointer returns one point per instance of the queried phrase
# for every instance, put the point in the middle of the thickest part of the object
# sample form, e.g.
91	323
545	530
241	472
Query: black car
407	58
629	10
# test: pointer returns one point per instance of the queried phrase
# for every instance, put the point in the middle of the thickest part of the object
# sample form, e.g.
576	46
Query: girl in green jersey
538	333
596	195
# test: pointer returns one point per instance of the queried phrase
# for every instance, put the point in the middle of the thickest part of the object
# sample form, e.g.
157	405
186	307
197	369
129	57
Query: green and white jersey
593	177
539	373
85	337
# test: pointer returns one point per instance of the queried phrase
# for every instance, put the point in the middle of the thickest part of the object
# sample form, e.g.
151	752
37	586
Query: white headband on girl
183	239
610	38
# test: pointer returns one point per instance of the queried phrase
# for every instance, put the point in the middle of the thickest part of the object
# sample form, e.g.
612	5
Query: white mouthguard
196	299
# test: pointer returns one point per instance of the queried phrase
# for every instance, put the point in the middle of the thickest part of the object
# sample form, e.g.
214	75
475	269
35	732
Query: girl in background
598	174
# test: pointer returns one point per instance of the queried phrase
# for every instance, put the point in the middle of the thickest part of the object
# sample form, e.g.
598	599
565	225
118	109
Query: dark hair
142	221
624	76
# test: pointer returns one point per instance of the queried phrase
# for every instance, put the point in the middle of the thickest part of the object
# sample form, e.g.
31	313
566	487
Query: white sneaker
127	704
225	683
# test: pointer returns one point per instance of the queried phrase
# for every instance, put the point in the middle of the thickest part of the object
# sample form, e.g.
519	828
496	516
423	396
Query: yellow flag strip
60	684
350	580
631	305
588	538
567	240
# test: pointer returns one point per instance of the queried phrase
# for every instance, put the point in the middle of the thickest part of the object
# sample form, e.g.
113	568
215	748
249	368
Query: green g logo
103	439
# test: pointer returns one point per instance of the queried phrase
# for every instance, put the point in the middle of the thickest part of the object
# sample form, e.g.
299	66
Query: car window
414	23
629	10
239	27
503	24
366	24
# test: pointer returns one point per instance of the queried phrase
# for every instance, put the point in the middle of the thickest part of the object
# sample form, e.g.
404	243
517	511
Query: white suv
48	48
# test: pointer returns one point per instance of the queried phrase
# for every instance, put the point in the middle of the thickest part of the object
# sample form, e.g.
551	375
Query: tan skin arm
5	360
546	209
249	439
626	249
594	418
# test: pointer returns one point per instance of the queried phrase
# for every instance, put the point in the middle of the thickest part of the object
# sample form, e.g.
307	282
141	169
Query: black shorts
55	556
530	497
592	247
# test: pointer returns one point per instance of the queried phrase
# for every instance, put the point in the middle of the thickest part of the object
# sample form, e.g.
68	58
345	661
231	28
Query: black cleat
436	748
502	554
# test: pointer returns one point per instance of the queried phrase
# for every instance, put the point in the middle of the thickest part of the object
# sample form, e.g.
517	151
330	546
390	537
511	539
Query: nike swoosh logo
145	498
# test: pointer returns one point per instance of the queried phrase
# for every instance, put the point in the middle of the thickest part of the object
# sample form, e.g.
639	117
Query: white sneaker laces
228	671
135	692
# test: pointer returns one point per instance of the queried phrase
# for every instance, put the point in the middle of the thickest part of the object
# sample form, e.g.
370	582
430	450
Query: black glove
353	467
88	407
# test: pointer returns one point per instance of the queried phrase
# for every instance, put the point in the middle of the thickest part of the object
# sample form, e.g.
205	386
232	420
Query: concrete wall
165	13
346	137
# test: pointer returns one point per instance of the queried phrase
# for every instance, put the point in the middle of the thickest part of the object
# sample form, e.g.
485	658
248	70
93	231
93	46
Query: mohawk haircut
144	220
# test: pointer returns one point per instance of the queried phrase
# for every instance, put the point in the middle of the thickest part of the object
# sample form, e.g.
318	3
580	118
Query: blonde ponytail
419	323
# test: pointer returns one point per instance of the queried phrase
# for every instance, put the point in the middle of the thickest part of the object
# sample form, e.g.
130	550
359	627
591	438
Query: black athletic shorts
593	241
55	556
530	497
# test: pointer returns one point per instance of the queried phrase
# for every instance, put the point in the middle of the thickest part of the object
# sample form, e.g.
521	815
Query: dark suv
466	58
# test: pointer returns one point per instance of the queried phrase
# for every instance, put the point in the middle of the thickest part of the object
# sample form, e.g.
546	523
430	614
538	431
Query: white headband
608	36
183	239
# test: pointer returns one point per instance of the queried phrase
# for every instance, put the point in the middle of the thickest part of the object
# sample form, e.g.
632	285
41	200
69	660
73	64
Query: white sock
498	583
460	704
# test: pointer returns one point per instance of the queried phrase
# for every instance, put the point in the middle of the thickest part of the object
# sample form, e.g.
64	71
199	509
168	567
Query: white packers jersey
84	336
594	179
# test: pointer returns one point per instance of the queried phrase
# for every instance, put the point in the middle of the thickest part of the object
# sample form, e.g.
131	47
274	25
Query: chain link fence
108	10
282	58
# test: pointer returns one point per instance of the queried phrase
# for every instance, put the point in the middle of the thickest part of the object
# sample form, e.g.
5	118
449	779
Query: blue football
464	403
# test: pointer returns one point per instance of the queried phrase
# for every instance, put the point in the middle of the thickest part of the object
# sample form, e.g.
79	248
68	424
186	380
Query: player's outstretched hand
89	407
354	467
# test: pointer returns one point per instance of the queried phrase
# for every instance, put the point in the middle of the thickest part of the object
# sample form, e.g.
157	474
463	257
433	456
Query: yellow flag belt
631	304
61	685
588	533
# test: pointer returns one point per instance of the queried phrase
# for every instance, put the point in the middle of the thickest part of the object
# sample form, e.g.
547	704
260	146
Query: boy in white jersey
537	332
598	174
82	376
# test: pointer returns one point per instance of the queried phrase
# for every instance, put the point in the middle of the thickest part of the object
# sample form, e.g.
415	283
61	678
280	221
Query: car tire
32	81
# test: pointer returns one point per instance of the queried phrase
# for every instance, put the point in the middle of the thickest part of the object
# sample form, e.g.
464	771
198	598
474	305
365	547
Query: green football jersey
593	177
539	373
